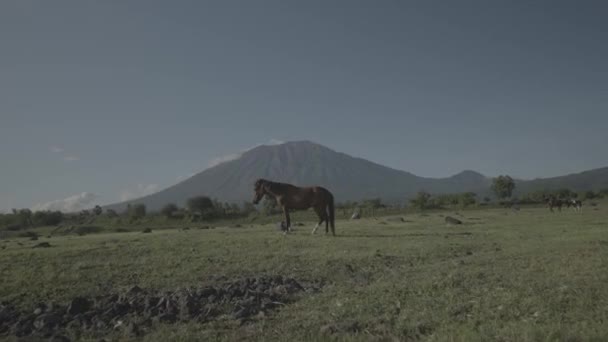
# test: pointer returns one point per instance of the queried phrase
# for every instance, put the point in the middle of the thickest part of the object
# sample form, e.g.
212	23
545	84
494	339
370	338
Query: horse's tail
331	213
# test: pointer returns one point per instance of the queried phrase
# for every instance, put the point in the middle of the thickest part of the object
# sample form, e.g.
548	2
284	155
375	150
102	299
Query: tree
47	218
235	209
421	201
169	209
248	208
97	210
374	203
566	193
467	198
270	205
111	213
25	216
589	195
503	186
136	211
199	204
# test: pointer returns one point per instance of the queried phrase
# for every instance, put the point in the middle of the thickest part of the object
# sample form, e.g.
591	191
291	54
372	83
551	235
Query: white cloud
70	158
60	150
140	191
56	149
219	160
181	178
71	204
274	142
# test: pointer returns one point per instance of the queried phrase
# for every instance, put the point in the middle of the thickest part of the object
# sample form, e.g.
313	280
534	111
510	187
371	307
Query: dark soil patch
84	230
133	313
30	235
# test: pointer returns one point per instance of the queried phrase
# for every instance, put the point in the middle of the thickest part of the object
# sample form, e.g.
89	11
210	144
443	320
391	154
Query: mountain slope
349	178
596	179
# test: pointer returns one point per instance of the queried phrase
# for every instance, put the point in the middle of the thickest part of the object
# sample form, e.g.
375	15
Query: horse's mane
277	184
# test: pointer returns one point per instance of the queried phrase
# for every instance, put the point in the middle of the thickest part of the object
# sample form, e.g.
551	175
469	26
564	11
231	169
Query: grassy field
503	275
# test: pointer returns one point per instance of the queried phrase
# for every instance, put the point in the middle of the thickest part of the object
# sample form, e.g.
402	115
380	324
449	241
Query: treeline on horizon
205	209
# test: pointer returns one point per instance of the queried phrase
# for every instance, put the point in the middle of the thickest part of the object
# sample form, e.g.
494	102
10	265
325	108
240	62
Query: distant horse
577	205
290	197
554	202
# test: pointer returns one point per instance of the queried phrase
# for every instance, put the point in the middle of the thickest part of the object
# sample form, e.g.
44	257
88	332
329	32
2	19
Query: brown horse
554	202
290	197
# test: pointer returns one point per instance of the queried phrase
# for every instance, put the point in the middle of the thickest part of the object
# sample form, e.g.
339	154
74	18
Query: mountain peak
468	174
306	163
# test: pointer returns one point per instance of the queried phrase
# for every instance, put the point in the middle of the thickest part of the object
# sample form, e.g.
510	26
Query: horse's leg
314	230
287	220
321	219
326	222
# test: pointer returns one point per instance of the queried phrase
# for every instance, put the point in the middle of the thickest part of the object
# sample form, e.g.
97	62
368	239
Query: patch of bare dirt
137	310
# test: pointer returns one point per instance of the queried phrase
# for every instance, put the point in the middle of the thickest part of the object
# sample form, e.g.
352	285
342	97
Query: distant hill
596	179
349	178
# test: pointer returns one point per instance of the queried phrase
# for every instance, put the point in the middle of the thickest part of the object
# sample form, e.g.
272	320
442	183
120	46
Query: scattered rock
79	305
42	245
59	338
47	321
451	220
328	329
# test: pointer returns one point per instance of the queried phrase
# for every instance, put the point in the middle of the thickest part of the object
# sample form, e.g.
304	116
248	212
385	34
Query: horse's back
321	191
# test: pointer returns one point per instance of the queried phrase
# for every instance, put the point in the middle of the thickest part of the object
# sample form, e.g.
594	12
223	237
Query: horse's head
259	190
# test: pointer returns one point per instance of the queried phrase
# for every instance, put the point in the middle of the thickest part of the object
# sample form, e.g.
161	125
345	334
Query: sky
102	101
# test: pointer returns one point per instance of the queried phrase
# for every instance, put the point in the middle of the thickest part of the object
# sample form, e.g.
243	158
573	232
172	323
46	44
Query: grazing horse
576	204
555	203
290	197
